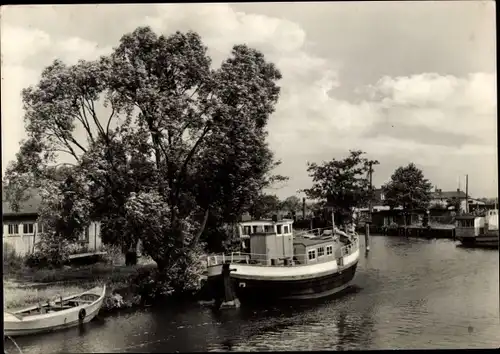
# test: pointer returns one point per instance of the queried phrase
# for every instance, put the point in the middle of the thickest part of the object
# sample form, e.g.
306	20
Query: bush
114	254
77	248
11	260
51	252
181	279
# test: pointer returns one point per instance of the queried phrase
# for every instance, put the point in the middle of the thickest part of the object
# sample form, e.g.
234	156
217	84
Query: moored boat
277	263
478	230
61	313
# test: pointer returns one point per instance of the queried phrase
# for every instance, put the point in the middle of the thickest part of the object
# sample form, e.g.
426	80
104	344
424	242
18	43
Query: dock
431	231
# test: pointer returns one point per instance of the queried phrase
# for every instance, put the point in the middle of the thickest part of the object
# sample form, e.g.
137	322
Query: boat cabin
469	225
313	250
475	225
267	241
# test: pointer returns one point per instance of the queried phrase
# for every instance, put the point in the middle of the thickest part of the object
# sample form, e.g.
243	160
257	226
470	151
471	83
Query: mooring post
369	221
230	300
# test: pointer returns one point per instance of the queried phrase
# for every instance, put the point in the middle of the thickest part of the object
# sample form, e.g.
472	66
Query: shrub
114	254
51	252
11	260
183	278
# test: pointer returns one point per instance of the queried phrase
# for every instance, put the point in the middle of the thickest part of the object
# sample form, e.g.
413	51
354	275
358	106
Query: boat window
285	229
254	229
268	228
329	250
321	251
279	228
311	254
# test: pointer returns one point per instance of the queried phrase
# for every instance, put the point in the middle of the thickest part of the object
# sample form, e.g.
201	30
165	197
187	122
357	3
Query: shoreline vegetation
24	286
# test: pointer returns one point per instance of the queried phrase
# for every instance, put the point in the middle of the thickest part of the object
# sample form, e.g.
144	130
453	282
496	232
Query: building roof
26	207
448	195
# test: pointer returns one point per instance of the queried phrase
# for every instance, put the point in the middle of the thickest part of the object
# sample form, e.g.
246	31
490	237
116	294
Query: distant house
443	199
21	230
382	215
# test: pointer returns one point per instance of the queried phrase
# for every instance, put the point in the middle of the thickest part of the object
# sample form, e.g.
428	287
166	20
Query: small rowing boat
62	313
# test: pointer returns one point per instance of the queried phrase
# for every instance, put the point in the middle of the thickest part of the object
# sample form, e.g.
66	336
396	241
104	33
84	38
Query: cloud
19	43
20	47
428	116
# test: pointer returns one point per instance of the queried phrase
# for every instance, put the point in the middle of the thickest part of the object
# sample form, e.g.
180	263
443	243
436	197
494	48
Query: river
407	294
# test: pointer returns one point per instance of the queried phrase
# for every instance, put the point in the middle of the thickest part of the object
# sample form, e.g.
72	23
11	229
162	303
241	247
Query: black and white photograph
254	176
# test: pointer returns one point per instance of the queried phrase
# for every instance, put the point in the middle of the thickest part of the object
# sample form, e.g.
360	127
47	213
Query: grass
94	272
17	298
24	286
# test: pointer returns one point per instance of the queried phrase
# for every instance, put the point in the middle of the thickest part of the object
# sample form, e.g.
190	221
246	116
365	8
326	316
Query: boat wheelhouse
279	262
478	230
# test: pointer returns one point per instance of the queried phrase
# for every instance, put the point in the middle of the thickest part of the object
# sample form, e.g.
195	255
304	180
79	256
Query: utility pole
369	221
467	194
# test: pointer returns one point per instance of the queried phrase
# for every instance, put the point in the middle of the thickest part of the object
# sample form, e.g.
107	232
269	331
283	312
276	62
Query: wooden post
229	300
467	194
369	221
304	208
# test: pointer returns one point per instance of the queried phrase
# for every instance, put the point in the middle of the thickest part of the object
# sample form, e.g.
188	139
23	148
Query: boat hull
257	290
263	290
44	323
484	241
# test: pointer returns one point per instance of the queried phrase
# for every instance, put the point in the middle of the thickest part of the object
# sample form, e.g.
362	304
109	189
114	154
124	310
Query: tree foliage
408	188
264	206
292	204
341	184
180	141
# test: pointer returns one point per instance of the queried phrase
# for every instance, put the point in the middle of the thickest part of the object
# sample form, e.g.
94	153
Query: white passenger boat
277	263
62	313
478	230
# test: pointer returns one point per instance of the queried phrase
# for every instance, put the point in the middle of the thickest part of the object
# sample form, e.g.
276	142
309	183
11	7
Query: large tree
408	189
264	206
180	140
291	204
342	184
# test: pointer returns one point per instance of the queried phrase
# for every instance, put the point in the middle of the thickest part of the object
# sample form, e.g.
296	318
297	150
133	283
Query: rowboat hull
14	325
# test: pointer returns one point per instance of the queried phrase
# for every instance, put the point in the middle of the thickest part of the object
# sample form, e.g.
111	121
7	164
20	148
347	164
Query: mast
369	221
467	194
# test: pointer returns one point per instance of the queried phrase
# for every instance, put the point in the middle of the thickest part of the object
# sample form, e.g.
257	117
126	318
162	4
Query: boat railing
263	259
317	232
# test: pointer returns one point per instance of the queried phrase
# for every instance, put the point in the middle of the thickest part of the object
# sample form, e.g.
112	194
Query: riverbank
26	287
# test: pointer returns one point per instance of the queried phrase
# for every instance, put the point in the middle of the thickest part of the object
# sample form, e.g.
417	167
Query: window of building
85	236
311	254
268	228
329	250
321	251
247	230
382	196
13	229
279	229
28	228
286	229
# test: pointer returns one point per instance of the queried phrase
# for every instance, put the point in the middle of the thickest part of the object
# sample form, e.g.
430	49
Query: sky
403	81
